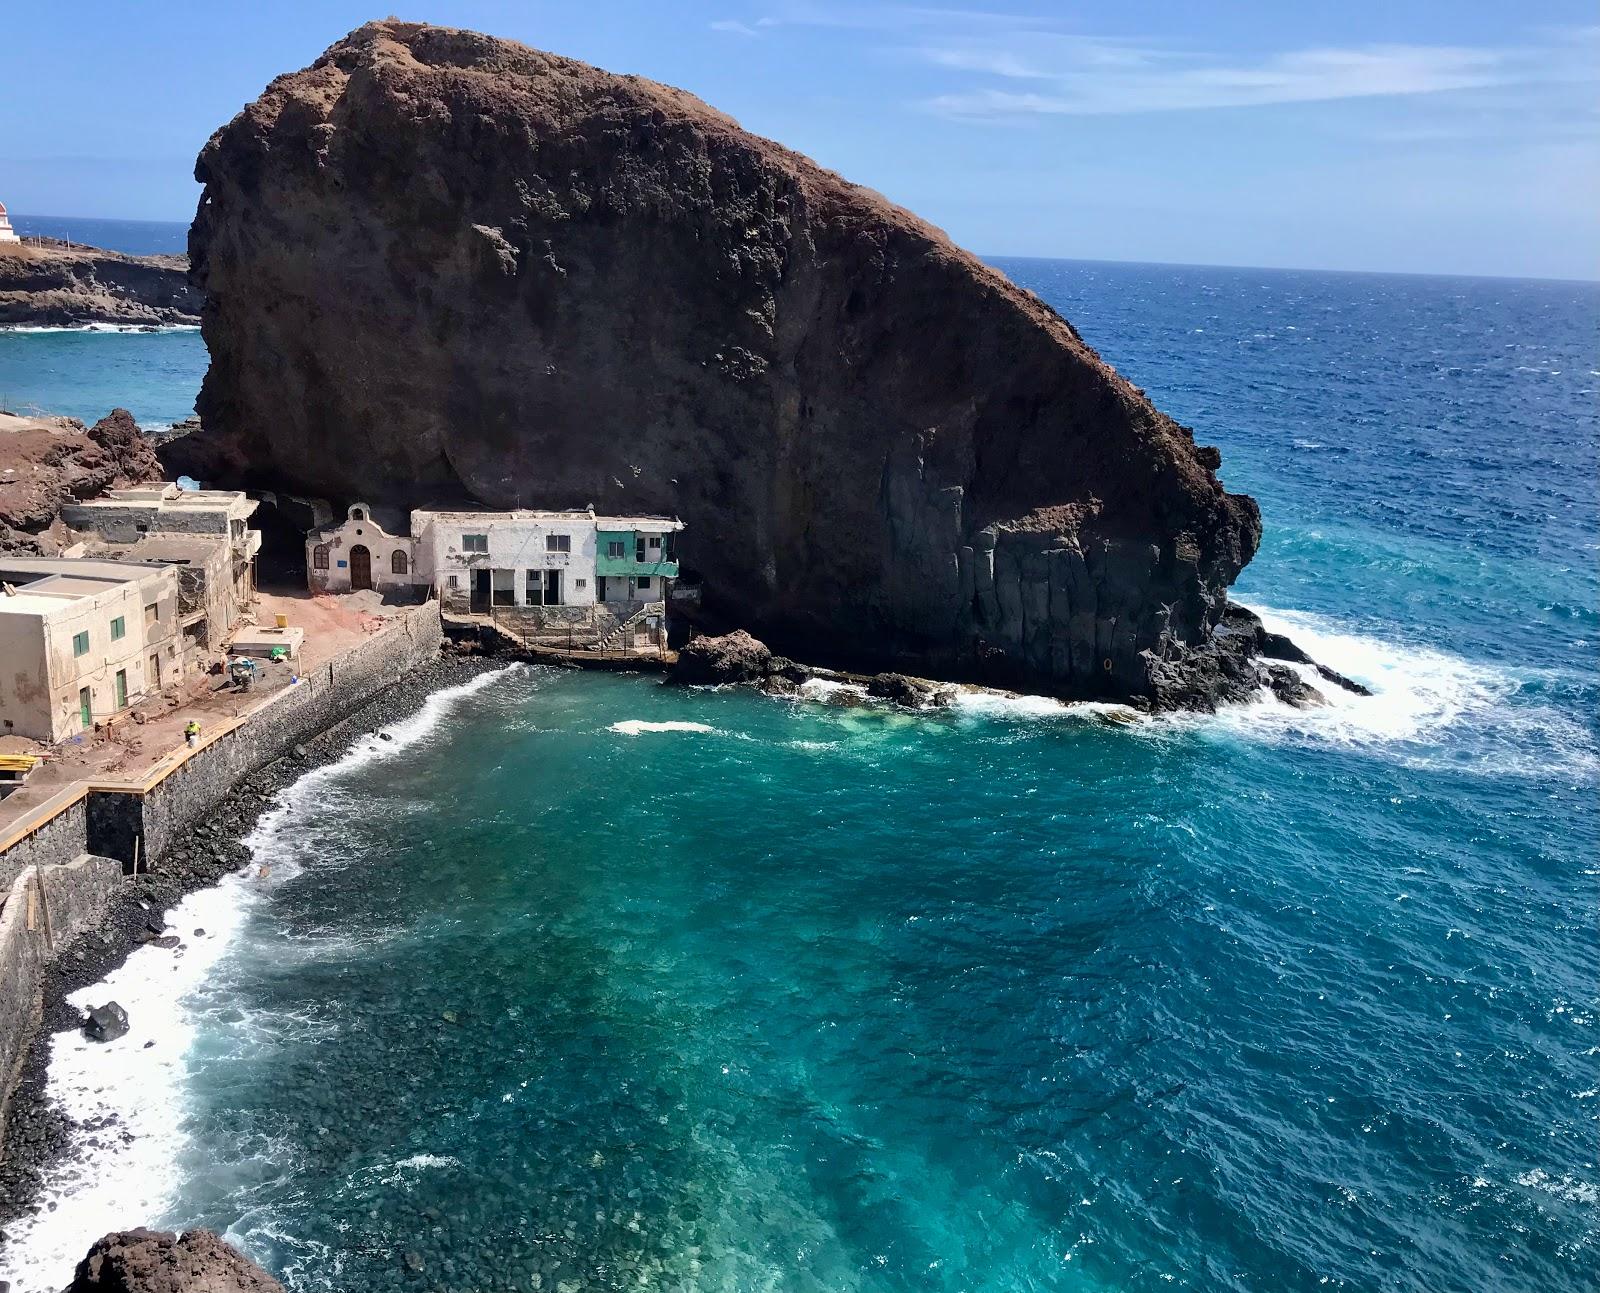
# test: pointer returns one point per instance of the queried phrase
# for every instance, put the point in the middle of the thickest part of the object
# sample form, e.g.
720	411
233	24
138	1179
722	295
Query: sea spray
128	1097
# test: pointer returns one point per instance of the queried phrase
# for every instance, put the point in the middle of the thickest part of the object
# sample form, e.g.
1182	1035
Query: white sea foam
981	702
102	327
126	1173
1416	690
1422	698
638	727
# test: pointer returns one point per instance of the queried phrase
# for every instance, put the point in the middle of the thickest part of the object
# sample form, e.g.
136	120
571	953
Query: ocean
584	982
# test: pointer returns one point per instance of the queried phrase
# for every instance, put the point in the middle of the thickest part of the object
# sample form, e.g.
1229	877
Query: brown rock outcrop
152	1261
46	462
437	263
55	285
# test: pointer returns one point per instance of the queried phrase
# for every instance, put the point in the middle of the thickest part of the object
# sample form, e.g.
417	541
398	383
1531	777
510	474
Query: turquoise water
586	981
86	373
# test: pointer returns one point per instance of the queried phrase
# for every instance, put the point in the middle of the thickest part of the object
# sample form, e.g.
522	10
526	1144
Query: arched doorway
360	566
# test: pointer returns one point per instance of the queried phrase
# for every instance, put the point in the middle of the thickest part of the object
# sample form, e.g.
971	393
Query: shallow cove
558	987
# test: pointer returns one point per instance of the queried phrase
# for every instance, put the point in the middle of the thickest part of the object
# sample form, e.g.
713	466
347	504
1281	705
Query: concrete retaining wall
63	835
32	926
321	699
109	819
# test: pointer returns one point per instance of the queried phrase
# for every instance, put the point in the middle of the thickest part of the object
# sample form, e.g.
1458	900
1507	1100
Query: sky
1458	136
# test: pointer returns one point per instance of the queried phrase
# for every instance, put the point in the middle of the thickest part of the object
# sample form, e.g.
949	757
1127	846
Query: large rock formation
158	1261
48	462
52	284
438	264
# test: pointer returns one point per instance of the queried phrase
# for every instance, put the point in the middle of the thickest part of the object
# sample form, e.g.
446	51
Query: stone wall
110	820
322	698
32	926
60	839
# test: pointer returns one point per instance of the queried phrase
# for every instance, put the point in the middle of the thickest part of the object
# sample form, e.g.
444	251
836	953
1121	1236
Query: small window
655	543
152	613
638	549
358	514
399	563
80	643
455	581
616	549
119	629
474	543
644	583
558	543
319	557
581	583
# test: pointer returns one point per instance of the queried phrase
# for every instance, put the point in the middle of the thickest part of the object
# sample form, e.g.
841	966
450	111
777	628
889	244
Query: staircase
619	635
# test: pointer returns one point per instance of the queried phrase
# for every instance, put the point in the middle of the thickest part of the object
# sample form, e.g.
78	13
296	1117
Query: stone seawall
88	837
46	908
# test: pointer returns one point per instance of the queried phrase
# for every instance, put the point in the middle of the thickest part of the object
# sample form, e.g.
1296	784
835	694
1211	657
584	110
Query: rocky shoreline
37	1135
50	284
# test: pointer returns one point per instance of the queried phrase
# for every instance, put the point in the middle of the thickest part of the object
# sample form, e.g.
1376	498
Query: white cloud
734	26
1101	78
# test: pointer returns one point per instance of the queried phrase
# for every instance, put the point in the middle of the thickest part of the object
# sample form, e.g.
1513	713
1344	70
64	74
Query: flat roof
169	547
74	585
512	514
638	523
23	603
107	568
168	496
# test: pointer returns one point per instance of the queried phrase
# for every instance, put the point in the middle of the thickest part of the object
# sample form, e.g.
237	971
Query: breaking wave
128	1098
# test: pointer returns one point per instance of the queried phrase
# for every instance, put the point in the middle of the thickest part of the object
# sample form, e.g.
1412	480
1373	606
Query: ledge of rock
151	1261
61	285
437	264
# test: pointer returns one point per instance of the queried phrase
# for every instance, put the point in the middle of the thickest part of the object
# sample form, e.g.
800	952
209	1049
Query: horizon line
990	257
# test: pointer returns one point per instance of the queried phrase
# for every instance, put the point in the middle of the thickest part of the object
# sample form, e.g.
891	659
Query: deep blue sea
586	983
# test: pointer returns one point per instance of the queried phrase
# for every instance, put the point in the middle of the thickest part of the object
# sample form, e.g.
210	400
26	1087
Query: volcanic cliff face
436	263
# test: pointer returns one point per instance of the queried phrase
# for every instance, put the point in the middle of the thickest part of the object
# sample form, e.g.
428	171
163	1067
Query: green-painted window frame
119	629
80	643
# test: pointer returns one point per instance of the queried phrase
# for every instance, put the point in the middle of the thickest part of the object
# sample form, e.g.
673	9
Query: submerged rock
440	264
152	1261
106	1023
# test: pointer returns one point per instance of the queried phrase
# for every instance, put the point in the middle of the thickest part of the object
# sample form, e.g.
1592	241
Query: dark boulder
436	264
914	693
733	657
151	1261
1289	687
106	1023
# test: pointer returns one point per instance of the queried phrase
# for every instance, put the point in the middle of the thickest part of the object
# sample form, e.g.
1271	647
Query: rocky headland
45	283
437	264
158	1261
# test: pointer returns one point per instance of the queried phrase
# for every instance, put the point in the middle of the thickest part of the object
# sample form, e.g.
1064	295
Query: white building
81	641
205	531
475	561
7	233
566	570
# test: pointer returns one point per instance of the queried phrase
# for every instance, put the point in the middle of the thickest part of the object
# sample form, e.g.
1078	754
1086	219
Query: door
479	602
360	566
155	673
552	588
86	708
122	688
